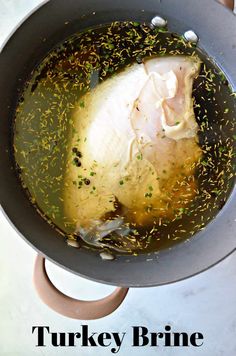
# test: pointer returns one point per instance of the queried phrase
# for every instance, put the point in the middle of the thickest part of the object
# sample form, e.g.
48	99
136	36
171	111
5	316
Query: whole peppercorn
87	181
77	162
79	154
74	150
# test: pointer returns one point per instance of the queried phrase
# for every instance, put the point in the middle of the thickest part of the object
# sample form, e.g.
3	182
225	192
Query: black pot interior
53	23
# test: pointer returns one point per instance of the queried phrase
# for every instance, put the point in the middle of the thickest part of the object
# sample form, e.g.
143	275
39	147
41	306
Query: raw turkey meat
137	135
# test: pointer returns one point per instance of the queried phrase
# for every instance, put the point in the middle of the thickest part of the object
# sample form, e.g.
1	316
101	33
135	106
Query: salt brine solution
123	139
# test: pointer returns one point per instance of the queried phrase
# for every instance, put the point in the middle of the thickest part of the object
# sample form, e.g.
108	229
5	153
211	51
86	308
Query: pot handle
227	3
70	307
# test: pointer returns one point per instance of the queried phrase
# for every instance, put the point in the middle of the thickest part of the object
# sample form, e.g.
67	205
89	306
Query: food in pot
124	138
138	137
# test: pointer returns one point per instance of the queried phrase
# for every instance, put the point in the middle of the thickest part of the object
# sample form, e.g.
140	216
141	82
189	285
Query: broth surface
44	126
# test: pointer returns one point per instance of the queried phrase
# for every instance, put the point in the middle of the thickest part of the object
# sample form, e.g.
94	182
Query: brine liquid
44	124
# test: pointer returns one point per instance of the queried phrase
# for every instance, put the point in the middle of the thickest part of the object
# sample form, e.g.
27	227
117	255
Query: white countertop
205	303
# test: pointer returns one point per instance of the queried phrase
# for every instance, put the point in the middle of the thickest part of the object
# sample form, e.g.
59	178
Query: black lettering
177	337
168	335
72	337
40	334
195	337
58	339
118	341
139	335
87	340
102	338
155	337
